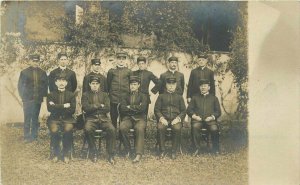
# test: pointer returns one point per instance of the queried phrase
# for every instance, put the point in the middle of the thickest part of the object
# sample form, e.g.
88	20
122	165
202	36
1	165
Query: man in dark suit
61	103
170	111
96	105
172	72
200	73
95	71
204	109
70	75
32	87
133	116
146	77
118	85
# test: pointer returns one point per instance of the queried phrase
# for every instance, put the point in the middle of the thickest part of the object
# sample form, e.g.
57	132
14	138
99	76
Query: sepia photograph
136	92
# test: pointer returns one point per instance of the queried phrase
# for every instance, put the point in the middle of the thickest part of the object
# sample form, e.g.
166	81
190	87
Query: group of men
123	96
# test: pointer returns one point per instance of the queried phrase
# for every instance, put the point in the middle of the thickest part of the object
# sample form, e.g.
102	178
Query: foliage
239	62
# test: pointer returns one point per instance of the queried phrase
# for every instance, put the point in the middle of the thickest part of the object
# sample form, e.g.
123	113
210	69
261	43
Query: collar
205	94
95	92
134	92
96	72
170	92
202	68
63	68
61	90
172	71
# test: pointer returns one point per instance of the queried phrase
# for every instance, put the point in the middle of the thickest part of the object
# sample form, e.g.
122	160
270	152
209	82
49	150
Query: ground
29	164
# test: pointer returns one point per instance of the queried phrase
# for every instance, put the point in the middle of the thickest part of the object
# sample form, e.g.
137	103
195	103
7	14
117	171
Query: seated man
61	104
204	108
96	105
170	111
133	110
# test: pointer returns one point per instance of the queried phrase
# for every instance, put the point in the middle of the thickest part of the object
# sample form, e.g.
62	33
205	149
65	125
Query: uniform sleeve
190	85
182	83
141	108
51	81
217	108
86	106
105	87
44	84
21	84
158	86
191	107
85	84
155	80
212	82
74	81
109	79
72	108
123	106
158	107
182	108
55	107
106	107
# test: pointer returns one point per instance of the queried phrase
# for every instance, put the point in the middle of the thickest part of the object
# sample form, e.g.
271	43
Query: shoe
137	158
55	159
66	160
94	159
111	160
173	156
127	155
162	155
196	152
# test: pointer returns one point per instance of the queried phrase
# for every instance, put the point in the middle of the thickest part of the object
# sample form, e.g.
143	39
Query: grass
28	163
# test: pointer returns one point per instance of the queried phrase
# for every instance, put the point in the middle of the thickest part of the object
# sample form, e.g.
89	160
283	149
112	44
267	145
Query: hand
108	115
101	105
51	103
175	121
197	118
209	118
189	100
128	106
67	105
164	121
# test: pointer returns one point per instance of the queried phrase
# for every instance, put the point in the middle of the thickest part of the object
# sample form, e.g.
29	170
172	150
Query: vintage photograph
124	92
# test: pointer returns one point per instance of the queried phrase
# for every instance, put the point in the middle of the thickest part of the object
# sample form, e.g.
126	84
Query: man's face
134	86
94	85
171	87
61	83
63	61
121	61
204	88
173	65
202	62
95	68
142	65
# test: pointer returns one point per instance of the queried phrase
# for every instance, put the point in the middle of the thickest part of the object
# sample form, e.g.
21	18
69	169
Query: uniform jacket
91	104
33	84
200	74
146	76
59	99
169	106
103	82
71	78
138	104
118	83
162	87
204	106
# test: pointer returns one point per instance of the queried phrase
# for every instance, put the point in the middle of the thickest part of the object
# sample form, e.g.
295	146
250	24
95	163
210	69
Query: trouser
176	134
61	129
91	125
31	123
139	128
114	114
212	128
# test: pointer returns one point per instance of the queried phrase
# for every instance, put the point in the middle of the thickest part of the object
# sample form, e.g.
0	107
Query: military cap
173	58
61	54
121	54
141	59
94	78
35	57
96	61
204	81
171	80
133	79
61	76
202	55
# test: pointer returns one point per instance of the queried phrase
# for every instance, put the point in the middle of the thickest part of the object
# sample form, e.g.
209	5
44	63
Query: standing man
146	77
118	85
172	72
200	73
204	109
61	104
133	116
70	75
95	71
96	105
32	87
170	111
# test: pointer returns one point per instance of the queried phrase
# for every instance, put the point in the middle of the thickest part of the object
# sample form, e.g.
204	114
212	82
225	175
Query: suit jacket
103	82
199	74
169	106
118	83
162	87
59	99
71	79
146	76
204	106
138	104
33	84
91	104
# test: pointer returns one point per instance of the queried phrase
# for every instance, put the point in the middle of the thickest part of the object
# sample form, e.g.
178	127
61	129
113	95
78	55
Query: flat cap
204	81
141	59
61	54
133	79
61	76
35	57
171	80
95	61
202	55
94	78
173	58
121	54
